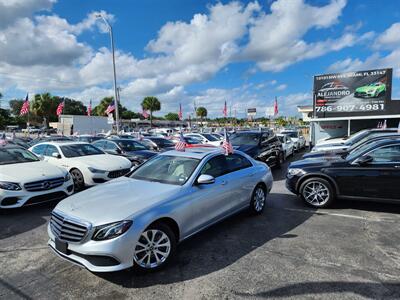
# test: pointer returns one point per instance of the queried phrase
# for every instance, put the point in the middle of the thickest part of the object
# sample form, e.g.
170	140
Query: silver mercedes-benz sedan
138	221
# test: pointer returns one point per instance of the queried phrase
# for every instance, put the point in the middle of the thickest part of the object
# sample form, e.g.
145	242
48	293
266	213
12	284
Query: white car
205	138
87	164
298	140
287	144
26	180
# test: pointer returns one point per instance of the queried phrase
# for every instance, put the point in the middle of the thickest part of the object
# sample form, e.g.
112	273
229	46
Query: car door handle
223	182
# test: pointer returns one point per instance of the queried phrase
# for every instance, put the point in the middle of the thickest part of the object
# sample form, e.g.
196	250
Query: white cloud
281	87
390	38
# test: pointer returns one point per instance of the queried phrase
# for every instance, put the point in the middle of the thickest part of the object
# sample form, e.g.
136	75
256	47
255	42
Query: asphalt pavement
351	251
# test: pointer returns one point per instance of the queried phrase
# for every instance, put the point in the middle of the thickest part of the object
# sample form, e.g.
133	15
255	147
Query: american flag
276	111
3	140
145	114
89	109
60	108
384	125
25	107
181	144
180	114
226	144
225	110
110	108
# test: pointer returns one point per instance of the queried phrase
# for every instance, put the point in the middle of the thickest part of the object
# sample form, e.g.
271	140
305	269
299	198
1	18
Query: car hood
105	162
336	141
331	153
141	153
30	171
116	200
366	88
318	162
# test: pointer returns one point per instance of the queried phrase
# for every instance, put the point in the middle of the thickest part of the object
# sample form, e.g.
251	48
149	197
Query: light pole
115	73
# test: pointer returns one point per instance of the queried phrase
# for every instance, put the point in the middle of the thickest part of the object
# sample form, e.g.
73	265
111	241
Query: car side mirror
205	179
56	155
288	141
364	160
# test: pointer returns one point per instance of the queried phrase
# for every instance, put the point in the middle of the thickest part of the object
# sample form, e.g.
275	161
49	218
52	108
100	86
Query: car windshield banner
352	93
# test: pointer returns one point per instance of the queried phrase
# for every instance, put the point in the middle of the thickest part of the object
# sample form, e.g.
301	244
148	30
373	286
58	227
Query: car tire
258	199
79	181
317	192
148	255
280	160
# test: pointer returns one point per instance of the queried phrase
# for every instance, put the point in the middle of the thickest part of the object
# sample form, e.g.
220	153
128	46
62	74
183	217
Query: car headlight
370	91
67	177
295	172
10	186
110	231
93	170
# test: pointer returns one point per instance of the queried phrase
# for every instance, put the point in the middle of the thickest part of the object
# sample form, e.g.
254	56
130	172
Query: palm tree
45	106
151	104
202	113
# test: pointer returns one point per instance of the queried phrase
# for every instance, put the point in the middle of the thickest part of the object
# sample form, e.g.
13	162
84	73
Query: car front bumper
100	256
14	199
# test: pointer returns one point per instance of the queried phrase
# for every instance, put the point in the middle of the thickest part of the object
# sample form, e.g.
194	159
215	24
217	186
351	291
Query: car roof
198	153
61	143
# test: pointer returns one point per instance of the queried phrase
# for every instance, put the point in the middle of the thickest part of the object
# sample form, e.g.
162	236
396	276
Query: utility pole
110	30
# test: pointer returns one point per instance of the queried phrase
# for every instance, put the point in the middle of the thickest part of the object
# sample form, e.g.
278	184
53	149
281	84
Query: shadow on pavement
19	220
371	290
215	248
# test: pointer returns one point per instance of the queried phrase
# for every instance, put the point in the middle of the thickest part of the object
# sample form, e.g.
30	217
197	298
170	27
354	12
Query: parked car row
366	166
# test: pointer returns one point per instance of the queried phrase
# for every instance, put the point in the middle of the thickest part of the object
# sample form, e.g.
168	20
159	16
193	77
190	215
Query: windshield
130	145
163	142
363	140
247	138
167	169
355	137
15	156
77	150
210	137
292	134
281	138
191	140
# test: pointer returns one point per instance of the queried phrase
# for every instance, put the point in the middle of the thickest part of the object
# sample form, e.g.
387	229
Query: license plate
61	246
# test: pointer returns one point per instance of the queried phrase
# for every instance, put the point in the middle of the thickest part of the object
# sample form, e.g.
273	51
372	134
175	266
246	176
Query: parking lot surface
351	251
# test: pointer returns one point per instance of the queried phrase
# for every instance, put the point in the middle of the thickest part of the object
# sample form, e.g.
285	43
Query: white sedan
205	138
25	180
87	164
287	144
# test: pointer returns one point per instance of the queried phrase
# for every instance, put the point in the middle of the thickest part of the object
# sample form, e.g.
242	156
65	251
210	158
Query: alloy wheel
77	178
152	249
259	199
316	193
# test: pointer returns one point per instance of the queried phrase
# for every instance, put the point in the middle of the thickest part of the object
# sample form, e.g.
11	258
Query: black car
261	145
370	173
346	151
131	149
160	144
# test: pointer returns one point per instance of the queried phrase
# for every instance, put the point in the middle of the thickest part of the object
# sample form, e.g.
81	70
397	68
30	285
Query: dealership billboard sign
353	93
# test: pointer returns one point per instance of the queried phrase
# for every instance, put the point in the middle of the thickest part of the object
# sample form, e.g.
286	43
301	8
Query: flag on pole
25	107
225	110
145	114
181	144
226	144
3	140
276	110
89	109
60	108
384	126
110	108
180	114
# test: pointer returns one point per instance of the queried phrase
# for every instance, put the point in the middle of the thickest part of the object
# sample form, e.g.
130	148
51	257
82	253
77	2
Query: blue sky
208	52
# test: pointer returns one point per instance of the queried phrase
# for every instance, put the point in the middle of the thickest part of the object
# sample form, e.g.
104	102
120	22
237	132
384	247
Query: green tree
128	114
151	104
72	107
100	109
281	122
45	106
201	112
172	116
15	106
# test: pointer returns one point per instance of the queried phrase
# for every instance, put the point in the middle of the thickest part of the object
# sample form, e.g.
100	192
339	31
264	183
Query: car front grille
118	173
66	229
44	185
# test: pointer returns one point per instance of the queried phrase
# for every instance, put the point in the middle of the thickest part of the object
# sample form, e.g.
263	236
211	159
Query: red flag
180	115
110	108
181	144
226	144
25	107
89	109
225	110
60	108
276	111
